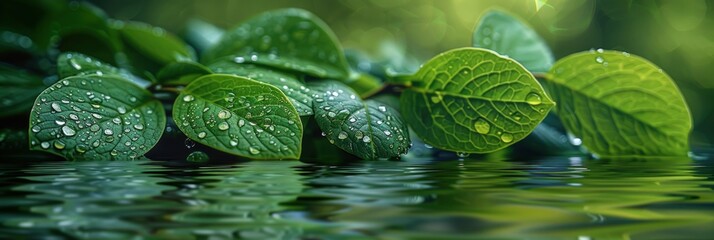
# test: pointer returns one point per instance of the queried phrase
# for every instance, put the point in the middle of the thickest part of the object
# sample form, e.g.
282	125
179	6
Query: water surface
546	198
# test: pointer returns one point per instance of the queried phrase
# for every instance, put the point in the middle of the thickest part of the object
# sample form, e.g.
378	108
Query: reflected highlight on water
560	197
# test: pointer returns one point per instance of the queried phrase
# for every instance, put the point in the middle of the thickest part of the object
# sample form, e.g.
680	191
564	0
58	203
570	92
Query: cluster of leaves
255	89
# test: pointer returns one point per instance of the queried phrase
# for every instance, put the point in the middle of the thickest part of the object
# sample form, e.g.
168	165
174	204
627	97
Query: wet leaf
367	129
18	89
74	64
239	116
292	39
182	72
96	117
508	35
620	104
473	101
293	88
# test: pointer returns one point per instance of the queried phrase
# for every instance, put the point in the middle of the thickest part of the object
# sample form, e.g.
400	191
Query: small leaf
182	72
473	101
17	90
74	64
96	117
239	116
202	35
620	104
150	48
291	39
369	130
507	35
293	88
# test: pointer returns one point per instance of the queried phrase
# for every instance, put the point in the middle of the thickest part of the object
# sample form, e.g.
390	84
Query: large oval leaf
507	35
18	89
239	116
473	100
96	117
292	39
620	104
295	89
369	130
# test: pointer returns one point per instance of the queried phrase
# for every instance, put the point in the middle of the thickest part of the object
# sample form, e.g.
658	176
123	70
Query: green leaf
291	39
474	101
507	35
368	129
96	117
293	88
202	35
239	116
150	48
182	72
18	89
620	104
74	64
364	84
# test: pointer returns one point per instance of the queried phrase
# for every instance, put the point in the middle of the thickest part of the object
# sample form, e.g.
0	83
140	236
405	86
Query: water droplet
359	134
116	120
223	126
68	131
56	107
230	97
223	114
342	135
388	133
45	145
36	128
599	59
533	99
233	143
81	148
132	99
188	143
366	139
462	154
94	128
482	126
382	108
600	50
353	120
506	137
202	135
253	150
114	152
59	145
73	116
60	122
75	64
108	132
188	98
121	110
97	116
241	123
239	60
197	156
138	126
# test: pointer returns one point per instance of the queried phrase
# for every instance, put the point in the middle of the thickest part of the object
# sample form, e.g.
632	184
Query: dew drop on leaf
68	131
533	99
188	98
342	135
222	126
59	145
253	150
506	137
223	114
482	126
202	135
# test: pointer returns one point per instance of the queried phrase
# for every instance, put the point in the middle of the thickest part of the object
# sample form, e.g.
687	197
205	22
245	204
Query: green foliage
473	100
95	117
620	104
367	129
291	39
18	89
239	116
296	91
181	73
505	34
282	77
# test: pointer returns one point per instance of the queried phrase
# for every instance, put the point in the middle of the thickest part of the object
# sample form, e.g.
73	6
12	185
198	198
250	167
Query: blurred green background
677	35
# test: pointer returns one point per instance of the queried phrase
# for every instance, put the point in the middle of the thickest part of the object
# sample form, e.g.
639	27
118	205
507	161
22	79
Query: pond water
545	198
